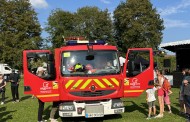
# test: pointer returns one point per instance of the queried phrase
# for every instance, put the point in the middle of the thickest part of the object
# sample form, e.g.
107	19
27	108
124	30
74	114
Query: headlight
63	107
69	108
117	103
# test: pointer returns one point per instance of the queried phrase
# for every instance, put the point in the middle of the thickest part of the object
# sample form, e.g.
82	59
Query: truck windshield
80	63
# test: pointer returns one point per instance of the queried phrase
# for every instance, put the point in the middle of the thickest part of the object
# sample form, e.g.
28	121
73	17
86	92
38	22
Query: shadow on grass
25	97
176	111
10	100
135	107
22	99
3	113
177	105
6	98
143	108
98	119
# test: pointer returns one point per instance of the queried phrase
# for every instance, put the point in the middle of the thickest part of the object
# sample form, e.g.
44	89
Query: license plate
94	111
90	115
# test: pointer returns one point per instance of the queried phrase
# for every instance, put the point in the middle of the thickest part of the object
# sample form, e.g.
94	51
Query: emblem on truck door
135	83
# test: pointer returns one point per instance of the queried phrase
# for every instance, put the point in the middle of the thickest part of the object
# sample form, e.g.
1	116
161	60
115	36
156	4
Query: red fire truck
86	77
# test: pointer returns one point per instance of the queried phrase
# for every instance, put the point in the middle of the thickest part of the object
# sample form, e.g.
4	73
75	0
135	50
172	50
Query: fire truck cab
86	77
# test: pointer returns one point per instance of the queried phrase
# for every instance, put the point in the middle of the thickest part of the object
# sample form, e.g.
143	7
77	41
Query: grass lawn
135	110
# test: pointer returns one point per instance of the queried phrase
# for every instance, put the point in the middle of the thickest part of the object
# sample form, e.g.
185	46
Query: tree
137	24
94	23
19	30
60	23
89	22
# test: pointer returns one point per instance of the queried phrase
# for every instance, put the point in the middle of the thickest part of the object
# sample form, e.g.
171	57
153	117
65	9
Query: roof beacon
83	42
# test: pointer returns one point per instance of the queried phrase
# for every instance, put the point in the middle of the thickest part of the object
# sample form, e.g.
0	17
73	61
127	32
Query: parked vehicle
86	77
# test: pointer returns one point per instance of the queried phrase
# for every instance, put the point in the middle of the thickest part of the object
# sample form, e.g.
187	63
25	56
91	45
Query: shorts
160	92
151	104
166	98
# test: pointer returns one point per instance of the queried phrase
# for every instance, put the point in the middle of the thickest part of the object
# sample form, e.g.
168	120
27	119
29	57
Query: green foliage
89	22
173	63
60	23
160	62
19	30
35	64
137	24
94	23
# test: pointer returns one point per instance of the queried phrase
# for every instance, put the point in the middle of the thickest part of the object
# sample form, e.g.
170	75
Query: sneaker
17	100
53	120
159	116
170	112
2	103
148	118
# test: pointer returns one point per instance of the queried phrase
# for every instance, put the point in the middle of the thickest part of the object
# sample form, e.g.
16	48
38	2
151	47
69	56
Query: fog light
118	111
79	110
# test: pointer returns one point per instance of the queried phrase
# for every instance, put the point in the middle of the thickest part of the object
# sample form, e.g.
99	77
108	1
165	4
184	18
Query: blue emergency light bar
83	42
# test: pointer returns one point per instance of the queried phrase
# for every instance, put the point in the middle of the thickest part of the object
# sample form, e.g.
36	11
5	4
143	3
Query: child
181	102
167	92
2	88
167	99
150	98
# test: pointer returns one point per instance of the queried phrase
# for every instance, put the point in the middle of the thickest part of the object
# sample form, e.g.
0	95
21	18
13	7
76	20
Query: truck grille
92	94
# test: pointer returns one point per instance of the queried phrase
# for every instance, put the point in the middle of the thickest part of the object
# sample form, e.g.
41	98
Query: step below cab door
39	75
138	71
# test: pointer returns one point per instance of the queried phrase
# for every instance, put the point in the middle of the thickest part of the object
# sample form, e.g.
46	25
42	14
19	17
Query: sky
175	13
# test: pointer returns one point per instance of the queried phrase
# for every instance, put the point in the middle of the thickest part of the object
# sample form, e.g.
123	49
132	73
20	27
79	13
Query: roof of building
173	46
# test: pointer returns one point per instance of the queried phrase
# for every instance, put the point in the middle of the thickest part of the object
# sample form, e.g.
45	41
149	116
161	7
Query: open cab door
39	75
138	71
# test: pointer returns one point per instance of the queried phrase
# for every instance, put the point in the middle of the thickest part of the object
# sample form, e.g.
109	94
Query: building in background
181	50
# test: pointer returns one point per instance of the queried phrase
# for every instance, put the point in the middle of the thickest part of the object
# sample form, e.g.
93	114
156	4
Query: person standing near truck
14	79
186	93
40	72
121	60
2	88
150	98
181	92
160	92
54	109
